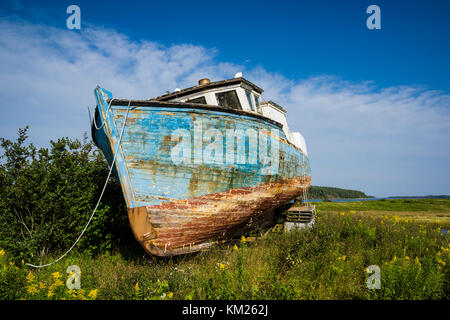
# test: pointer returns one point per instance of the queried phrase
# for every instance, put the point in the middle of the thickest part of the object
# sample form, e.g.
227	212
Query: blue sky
373	105
295	38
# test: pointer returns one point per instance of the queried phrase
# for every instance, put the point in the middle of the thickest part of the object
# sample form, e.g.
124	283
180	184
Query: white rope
99	199
95	124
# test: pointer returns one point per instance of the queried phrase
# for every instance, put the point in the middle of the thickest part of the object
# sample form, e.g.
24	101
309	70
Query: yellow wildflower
336	269
136	287
30	277
417	261
71	292
41	285
243	240
221	266
11	263
81	294
32	289
93	294
440	261
2	253
235	248
342	213
406	258
58	283
56	275
342	258
50	294
352	211
170	295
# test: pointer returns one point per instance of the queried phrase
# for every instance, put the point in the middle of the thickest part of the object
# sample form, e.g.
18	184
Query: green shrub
12	279
48	195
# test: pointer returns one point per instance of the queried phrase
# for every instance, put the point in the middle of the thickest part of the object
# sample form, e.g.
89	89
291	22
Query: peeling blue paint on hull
194	175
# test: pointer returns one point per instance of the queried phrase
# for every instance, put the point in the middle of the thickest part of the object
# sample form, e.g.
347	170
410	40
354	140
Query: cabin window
257	100
229	99
200	100
249	98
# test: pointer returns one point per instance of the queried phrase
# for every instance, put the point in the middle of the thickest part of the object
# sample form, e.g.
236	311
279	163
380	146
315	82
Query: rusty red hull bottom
183	226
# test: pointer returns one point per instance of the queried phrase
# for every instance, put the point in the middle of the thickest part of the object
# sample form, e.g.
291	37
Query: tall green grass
421	210
393	205
328	261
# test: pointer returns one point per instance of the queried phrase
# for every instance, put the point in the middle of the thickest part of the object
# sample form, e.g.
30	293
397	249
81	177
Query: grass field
328	261
421	210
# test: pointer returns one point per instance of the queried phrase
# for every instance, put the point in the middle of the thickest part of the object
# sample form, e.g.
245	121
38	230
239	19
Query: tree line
328	193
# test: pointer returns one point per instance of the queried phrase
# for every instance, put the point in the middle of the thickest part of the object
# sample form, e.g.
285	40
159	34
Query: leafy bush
48	195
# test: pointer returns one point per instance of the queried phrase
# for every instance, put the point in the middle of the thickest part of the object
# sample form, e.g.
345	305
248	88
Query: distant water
385	198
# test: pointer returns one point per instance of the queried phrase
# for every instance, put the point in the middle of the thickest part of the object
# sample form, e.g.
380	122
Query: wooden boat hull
215	186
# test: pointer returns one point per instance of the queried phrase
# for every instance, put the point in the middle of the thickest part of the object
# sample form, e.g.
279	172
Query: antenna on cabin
238	75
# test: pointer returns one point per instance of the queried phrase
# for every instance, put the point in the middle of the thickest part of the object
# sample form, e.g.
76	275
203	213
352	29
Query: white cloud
382	140
48	75
358	133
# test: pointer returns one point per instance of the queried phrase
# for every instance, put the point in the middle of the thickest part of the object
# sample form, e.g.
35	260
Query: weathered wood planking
219	186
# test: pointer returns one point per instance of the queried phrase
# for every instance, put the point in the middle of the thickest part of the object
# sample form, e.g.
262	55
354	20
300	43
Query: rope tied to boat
109	107
101	195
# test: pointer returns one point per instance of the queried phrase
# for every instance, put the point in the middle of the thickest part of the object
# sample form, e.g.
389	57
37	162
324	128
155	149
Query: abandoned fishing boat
200	165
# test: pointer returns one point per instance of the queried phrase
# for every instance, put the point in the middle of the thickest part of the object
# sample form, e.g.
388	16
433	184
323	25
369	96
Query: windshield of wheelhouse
229	99
249	99
200	100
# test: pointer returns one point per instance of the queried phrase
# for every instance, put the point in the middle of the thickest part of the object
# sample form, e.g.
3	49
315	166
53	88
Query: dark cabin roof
211	85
